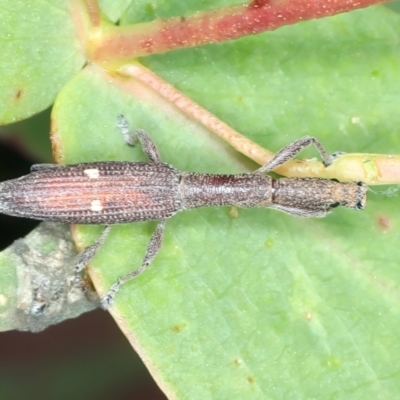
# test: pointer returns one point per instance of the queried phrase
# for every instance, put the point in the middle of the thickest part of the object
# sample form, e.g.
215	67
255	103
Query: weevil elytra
116	192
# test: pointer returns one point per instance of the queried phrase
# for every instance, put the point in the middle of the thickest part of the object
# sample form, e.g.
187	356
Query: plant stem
227	23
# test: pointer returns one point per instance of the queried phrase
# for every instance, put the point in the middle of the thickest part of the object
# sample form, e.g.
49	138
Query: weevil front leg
130	137
87	254
291	150
152	250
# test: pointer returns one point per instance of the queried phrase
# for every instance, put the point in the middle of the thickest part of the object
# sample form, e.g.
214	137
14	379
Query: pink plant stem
93	12
197	112
213	26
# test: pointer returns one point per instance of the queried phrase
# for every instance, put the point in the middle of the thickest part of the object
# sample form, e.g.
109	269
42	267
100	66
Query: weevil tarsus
291	150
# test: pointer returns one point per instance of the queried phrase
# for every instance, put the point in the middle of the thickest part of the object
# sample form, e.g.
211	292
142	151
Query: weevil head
352	195
315	197
361	195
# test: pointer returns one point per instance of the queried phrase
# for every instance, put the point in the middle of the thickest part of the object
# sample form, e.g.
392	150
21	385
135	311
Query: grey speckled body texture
121	192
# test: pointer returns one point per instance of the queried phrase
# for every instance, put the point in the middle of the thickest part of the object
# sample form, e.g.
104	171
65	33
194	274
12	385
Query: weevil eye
359	205
334	205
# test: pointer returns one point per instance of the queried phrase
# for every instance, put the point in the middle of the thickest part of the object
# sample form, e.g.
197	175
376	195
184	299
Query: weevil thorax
357	194
242	190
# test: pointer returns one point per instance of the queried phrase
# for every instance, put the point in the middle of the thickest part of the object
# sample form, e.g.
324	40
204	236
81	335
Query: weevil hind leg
291	150
152	250
131	137
88	253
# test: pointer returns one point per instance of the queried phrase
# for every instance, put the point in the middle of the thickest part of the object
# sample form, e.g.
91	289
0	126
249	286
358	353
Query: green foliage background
262	305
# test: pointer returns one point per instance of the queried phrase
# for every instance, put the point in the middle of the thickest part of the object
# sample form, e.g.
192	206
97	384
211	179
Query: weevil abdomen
94	193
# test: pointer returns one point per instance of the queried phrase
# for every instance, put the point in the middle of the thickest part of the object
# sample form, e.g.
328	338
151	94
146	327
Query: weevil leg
41	167
130	137
86	255
152	250
289	151
301	212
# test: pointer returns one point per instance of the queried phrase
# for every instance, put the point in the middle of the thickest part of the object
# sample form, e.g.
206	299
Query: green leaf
334	76
254	305
39	54
262	305
113	9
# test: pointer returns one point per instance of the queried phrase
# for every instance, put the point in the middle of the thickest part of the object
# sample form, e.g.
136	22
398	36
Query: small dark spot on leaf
179	328
18	94
237	362
384	223
250	379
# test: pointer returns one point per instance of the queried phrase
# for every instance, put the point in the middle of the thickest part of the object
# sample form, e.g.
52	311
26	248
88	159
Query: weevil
118	192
